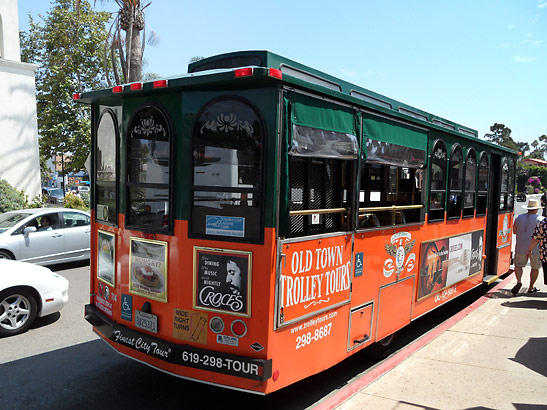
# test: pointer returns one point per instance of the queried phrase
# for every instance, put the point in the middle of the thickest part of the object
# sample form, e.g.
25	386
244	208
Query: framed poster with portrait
106	257
222	280
148	269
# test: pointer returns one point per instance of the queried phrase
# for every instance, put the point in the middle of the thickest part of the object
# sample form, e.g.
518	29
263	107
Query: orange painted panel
360	326
394	307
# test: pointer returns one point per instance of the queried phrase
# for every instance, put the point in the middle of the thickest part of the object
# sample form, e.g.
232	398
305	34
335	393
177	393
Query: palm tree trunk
135	56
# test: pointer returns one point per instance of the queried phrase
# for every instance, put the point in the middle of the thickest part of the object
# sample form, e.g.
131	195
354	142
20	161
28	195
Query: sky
474	62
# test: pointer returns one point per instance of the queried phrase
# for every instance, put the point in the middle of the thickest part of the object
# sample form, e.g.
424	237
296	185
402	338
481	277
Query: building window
106	166
455	182
470	183
149	170
227	172
437	193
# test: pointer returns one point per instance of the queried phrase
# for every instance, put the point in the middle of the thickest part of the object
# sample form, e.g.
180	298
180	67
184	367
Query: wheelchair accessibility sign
127	307
358	264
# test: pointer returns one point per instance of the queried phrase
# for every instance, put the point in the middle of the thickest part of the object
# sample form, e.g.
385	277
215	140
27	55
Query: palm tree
125	52
130	19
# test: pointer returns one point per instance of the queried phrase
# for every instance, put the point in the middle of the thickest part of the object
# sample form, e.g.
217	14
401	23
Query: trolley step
488	279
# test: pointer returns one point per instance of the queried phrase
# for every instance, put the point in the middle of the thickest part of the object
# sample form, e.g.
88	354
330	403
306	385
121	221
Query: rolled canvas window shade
391	143
322	129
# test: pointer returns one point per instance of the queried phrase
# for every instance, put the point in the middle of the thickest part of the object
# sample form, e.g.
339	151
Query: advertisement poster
314	276
148	269
222	280
448	261
106	256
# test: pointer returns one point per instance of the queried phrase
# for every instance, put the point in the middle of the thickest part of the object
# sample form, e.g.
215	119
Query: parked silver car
54	196
45	236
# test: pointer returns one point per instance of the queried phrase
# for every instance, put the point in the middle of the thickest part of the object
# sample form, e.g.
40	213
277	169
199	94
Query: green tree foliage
501	135
10	198
539	147
67	46
533	171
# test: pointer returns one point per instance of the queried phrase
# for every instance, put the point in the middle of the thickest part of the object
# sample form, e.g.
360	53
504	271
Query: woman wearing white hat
524	227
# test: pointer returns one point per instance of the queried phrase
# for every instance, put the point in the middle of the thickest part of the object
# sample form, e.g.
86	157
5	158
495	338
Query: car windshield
56	192
8	219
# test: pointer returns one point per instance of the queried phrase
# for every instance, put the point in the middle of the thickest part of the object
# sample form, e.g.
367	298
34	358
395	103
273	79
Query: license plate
146	321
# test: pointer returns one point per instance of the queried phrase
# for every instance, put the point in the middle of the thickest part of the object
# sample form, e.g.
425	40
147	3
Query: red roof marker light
275	73
135	86
243	72
76	96
117	89
160	83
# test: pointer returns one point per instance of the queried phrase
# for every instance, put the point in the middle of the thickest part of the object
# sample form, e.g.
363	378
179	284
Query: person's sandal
516	288
533	290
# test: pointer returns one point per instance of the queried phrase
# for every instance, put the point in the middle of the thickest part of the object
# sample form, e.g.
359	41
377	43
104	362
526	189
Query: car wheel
5	255
18	309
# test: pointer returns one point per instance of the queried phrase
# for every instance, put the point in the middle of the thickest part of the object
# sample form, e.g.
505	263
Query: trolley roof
261	66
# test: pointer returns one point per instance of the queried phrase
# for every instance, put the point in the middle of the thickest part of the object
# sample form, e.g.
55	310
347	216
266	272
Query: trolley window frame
129	186
112	185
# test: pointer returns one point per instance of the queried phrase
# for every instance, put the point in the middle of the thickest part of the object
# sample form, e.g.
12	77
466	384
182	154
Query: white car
28	291
45	236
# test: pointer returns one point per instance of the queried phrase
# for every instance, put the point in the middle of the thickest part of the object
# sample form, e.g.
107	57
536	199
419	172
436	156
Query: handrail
342	210
393	209
319	211
390	208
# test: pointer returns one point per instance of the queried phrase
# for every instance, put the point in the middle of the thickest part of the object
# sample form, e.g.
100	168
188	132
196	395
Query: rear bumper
179	354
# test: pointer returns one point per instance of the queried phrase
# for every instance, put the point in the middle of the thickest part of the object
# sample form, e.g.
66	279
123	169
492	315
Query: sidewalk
492	355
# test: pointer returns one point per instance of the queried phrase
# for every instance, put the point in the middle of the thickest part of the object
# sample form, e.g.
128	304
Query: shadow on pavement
536	304
532	355
68	265
46	320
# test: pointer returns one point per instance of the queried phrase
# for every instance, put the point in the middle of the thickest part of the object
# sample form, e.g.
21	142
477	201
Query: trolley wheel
383	348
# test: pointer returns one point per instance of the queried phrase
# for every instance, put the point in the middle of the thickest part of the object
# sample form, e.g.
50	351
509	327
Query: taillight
160	83
275	73
239	328
243	72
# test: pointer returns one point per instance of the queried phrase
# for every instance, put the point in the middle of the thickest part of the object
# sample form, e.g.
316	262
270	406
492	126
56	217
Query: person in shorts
524	227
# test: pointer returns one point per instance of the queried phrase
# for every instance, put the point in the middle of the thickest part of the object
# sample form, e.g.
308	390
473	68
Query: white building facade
19	152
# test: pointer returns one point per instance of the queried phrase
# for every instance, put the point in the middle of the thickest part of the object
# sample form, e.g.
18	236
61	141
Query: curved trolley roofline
222	68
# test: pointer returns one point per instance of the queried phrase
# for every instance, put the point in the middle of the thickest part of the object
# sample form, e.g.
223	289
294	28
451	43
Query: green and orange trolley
256	221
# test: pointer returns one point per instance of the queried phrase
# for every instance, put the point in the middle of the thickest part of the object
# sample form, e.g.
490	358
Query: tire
383	348
18	309
6	255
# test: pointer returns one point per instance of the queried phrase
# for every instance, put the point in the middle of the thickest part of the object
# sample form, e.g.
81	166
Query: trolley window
148	170
470	183
482	186
455	182
322	158
106	168
227	172
392	176
511	187
504	190
437	192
